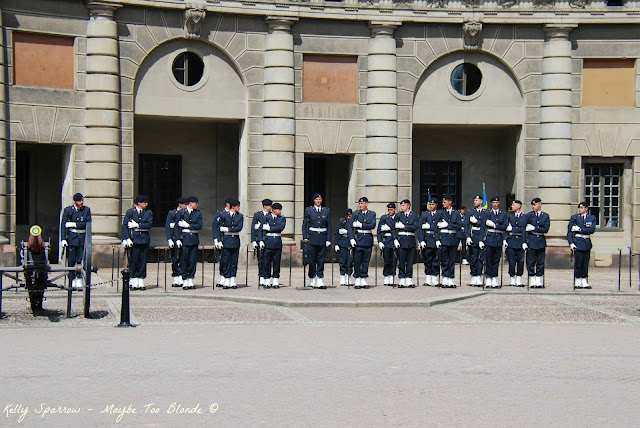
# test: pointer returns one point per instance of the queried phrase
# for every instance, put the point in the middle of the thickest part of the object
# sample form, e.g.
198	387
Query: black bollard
124	310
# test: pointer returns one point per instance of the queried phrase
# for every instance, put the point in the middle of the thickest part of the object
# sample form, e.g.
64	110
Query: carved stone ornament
543	4
579	4
471	32
506	4
193	18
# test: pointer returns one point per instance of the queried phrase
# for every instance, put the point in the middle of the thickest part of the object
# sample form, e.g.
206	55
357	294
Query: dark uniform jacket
215	226
139	235
449	234
475	231
271	237
411	225
368	220
81	218
256	226
431	235
389	236
231	239
535	239
462	231
515	237
170	228
494	239
195	224
316	220
342	239
587	227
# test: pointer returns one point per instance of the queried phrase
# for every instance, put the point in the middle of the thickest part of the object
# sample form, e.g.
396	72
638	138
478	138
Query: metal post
526	263
158	269
630	258
68	296
619	266
376	270
113	263
118	281
574	270
460	272
1	275
125	318
246	269
213	283
501	265
290	254
165	269
333	253
203	266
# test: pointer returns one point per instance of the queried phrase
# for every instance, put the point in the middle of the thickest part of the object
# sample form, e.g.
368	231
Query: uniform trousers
390	261
463	250
476	261
492	260
138	260
516	261
175	261
260	256
188	261
271	259
535	261
74	256
316	260
448	260
346	261
405	259
431	266
581	263
361	258
229	262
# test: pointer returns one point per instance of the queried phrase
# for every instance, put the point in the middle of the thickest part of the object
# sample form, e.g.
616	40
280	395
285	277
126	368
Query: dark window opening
466	79
161	180
603	190
439	179
188	68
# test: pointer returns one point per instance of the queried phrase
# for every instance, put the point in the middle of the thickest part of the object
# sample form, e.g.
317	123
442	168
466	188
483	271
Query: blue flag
485	203
428	195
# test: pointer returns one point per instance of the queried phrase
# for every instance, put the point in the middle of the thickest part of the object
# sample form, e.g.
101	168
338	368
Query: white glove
509	228
353	242
381	245
172	225
219	245
490	223
184	224
469	241
215	243
328	244
505	244
357	224
224	229
179	244
254	244
473	220
262	245
524	246
530	227
481	245
396	243
342	231
337	248
442	224
575	228
64	243
124	243
257	226
132	224
386	228
170	242
423	244
70	224
129	243
266	226
426	226
438	244
400	225
573	247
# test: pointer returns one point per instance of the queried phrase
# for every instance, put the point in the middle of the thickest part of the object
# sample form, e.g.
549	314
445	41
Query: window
466	79
161	180
608	83
439	179
188	68
603	192
330	79
43	60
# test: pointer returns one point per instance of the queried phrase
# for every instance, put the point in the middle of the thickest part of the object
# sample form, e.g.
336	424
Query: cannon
36	271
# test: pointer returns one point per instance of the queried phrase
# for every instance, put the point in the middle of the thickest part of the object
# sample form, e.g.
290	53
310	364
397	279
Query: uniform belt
318	229
580	235
515	234
364	231
537	233
387	234
274	234
495	231
430	232
231	234
448	231
476	228
84	231
189	231
140	230
407	233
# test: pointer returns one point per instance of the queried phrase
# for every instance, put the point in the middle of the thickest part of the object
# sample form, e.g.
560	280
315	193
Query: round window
188	68
466	79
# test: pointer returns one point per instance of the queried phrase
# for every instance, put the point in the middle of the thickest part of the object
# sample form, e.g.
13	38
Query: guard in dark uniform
271	241
428	235
462	239
135	235
579	231
407	224
386	241
343	248
516	223
231	224
475	235
217	238
360	230
73	228
496	223
189	224
316	233
449	224
256	234
170	231
537	226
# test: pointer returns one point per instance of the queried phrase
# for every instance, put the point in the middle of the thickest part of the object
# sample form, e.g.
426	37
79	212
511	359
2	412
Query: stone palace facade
280	99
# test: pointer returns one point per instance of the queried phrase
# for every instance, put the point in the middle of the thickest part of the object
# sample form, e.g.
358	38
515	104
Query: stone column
381	159
102	121
554	179
4	206
278	156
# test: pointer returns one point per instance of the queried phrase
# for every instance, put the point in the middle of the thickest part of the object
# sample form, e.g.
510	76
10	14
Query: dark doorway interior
160	178
440	178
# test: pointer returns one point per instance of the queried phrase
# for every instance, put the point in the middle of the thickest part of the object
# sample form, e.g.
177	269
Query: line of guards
437	233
